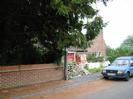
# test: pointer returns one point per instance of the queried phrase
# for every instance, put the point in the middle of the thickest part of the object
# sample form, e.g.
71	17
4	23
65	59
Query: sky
119	16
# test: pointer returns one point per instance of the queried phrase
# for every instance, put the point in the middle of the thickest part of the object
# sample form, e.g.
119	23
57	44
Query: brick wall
16	76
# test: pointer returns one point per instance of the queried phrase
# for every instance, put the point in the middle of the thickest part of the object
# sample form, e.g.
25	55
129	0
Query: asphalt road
119	90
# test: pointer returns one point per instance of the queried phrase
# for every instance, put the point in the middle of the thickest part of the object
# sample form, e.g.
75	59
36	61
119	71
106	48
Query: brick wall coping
27	67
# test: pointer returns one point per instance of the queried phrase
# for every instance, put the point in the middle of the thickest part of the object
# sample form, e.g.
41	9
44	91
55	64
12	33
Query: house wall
16	76
71	57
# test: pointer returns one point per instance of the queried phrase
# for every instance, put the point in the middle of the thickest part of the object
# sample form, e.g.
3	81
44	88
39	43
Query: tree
114	53
125	49
128	43
36	31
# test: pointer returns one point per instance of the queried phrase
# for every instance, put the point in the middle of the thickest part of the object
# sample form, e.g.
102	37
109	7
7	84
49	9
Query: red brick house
98	46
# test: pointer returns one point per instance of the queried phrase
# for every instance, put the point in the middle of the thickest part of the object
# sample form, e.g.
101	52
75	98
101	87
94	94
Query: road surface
100	89
119	90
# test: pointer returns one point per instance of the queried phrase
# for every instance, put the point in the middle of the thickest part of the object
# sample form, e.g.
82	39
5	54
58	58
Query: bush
93	70
94	58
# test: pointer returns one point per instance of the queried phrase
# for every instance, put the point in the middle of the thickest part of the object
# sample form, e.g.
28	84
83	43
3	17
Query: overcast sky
119	14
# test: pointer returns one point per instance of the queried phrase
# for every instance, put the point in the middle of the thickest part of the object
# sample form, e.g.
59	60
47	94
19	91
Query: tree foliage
114	53
36	31
128	43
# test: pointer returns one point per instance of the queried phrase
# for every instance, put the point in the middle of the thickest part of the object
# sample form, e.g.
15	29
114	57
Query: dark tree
36	31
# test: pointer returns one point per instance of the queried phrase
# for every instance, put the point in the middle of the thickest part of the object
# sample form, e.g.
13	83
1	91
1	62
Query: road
100	89
96	89
119	90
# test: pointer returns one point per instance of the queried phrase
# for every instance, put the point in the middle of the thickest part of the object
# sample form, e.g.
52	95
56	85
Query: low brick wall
16	76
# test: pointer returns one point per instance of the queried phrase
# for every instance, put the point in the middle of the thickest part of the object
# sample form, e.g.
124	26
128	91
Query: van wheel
128	76
106	78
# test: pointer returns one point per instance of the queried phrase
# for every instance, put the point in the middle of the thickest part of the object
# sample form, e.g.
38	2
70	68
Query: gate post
65	65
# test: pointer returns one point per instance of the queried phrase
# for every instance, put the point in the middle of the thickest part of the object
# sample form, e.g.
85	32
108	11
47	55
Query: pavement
54	87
